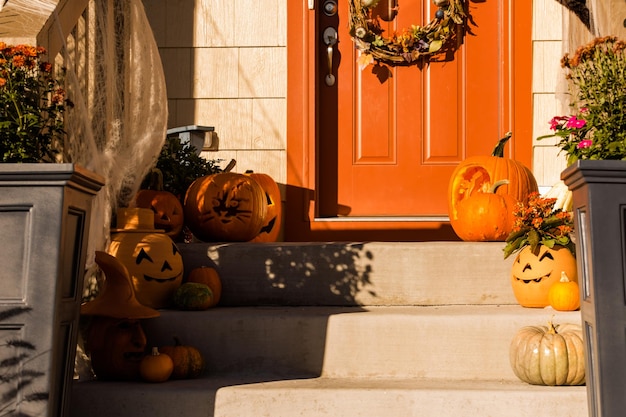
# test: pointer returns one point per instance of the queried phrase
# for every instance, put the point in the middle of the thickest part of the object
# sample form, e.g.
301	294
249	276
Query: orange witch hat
117	296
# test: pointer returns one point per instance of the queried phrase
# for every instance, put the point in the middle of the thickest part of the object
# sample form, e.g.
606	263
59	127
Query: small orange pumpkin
156	367
533	274
188	361
477	175
564	295
273	219
208	276
226	206
167	208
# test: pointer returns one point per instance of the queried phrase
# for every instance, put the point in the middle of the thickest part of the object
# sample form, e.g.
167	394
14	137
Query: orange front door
379	144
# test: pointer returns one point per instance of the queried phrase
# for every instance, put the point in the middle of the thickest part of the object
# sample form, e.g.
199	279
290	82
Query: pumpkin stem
230	165
552	327
499	149
564	277
155	351
496	185
156	180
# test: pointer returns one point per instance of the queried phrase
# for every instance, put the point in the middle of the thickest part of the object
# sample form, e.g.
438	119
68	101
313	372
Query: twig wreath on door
410	45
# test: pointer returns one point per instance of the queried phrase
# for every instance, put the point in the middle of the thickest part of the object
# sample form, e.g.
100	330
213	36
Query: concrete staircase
355	330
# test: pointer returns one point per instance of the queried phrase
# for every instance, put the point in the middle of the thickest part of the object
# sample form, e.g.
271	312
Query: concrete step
349	274
447	342
230	396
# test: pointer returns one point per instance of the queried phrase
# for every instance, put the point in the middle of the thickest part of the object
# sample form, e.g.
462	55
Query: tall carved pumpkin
273	218
532	274
227	207
151	257
476	217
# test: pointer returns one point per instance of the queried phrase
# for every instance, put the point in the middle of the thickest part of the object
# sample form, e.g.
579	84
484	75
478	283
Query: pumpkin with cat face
151	257
226	207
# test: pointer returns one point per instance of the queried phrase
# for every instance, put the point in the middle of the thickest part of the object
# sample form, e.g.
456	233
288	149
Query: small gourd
208	276
156	367
193	296
188	361
564	295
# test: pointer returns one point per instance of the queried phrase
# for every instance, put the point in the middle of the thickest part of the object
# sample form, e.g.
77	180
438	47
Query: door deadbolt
330	7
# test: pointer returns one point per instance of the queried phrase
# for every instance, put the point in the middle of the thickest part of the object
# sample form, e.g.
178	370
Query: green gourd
193	296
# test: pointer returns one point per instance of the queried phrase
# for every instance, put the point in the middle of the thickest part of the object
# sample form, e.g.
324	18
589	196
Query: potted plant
594	140
45	208
541	236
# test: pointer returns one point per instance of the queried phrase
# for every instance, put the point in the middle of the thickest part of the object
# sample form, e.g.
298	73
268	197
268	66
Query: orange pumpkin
167	208
533	274
226	207
564	295
208	276
273	219
188	361
475	217
151	257
156	367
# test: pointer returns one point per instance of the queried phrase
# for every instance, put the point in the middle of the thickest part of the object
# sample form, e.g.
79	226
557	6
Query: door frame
301	222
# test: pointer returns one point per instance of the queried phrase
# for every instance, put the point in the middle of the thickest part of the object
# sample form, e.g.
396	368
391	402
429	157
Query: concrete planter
599	198
44	223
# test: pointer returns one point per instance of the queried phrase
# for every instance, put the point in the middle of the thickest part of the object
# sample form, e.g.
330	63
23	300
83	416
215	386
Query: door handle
330	39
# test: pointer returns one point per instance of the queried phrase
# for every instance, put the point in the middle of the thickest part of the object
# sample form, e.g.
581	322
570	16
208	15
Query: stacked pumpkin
484	191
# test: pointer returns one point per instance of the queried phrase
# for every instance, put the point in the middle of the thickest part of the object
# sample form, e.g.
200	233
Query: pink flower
585	143
574	123
555	122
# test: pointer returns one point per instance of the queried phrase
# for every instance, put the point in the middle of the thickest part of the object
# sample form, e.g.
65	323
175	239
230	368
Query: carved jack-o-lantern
273	218
167	208
225	207
532	275
151	257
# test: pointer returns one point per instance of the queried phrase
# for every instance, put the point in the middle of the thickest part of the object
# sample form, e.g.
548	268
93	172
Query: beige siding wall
225	64
547	53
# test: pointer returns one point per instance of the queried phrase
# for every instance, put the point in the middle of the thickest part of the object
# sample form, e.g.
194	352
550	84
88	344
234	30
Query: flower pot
532	274
599	205
44	217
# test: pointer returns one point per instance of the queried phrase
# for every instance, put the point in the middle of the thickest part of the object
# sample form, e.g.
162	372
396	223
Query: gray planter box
44	223
599	192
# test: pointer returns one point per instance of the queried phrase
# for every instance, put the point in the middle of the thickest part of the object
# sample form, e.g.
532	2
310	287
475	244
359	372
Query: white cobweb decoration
118	124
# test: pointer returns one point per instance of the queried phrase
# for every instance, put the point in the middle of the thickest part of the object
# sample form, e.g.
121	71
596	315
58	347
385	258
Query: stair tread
227	395
396	341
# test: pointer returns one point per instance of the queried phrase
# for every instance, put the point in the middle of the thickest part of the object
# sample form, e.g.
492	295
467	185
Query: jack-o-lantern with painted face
153	261
532	274
226	207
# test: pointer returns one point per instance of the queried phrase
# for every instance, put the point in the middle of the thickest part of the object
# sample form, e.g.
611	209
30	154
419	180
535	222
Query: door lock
330	7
